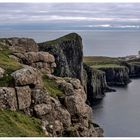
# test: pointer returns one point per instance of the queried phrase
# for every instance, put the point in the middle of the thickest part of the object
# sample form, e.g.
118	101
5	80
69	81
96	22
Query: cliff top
71	36
103	62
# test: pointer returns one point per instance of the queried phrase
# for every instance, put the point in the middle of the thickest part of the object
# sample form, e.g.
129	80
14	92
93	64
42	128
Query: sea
113	43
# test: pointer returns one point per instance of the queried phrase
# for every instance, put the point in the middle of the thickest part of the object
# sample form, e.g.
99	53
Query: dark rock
68	53
94	83
134	69
117	76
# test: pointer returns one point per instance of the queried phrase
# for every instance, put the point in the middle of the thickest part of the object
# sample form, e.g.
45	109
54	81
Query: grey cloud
82	14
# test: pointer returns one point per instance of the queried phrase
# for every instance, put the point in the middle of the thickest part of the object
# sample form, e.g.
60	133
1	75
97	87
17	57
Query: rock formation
95	84
68	55
134	69
40	60
63	115
69	116
116	76
20	44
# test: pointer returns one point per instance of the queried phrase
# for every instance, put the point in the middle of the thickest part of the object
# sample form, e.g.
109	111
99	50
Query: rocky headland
46	84
51	82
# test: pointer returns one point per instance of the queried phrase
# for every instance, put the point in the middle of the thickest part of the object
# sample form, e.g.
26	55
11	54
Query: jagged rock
2	71
8	98
54	117
134	69
23	97
68	53
74	101
28	76
116	76
41	60
20	44
94	83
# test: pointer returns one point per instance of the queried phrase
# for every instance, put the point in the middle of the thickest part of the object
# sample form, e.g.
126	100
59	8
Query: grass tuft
16	124
52	87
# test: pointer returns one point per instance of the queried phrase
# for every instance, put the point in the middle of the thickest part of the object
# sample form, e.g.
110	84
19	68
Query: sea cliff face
116	76
94	83
134	68
68	53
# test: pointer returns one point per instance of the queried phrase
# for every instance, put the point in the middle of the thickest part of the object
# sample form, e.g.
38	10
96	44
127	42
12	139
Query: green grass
52	87
70	36
6	81
16	124
107	66
102	62
8	64
98	58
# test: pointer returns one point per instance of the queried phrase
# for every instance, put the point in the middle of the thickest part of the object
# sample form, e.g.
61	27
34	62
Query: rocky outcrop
116	76
134	69
20	44
40	60
95	84
2	71
28	76
73	100
67	115
68	53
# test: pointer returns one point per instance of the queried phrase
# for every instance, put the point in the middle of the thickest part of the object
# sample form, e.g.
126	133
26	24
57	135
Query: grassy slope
70	36
8	64
101	61
52	87
15	124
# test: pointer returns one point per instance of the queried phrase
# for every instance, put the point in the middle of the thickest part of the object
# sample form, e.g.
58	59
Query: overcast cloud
82	16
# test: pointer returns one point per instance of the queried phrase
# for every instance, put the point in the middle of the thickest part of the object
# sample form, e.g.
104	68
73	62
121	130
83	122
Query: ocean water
100	43
119	112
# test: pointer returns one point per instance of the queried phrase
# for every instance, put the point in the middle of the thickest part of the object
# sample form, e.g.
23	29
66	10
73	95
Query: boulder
28	76
23	97
40	60
8	98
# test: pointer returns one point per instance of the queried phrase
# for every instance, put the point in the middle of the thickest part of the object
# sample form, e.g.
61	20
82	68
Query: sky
69	16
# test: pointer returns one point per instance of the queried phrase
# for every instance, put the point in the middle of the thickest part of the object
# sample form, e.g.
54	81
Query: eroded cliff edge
27	84
68	54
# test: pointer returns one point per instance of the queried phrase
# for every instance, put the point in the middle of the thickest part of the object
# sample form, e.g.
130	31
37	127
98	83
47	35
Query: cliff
29	87
134	68
116	76
68	53
95	84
